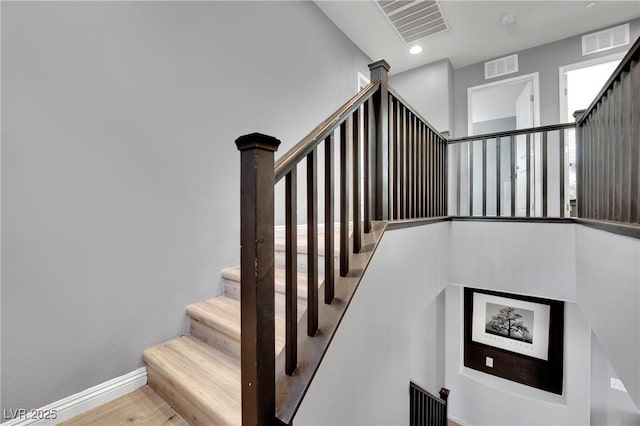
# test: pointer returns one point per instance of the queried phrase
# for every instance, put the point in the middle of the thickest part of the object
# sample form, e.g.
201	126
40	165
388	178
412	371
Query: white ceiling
475	31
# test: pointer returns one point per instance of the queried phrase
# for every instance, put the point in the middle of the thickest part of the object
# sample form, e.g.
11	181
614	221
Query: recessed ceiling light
590	5
508	19
415	50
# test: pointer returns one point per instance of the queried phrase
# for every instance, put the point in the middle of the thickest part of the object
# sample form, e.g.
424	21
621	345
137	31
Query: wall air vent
414	19
502	66
605	39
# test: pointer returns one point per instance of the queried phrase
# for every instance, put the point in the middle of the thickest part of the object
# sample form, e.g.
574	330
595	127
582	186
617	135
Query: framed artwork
519	338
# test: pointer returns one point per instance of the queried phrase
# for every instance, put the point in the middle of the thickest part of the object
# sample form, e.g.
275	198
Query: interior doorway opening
501	106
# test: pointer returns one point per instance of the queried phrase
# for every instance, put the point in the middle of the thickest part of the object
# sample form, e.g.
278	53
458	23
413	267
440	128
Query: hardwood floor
141	407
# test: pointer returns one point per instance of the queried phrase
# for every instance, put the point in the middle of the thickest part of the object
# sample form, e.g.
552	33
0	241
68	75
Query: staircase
198	375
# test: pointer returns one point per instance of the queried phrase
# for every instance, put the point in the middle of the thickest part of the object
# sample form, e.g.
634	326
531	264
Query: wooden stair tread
199	374
233	274
280	243
222	313
142	407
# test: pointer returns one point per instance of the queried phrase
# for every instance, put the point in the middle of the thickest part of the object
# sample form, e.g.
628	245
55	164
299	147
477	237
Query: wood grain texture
142	407
201	383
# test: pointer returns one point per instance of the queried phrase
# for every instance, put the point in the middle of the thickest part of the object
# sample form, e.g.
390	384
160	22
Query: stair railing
426	409
387	154
608	149
506	174
417	173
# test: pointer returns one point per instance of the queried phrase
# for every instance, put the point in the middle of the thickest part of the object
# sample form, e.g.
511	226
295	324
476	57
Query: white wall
608	406
382	342
481	399
120	177
429	89
524	258
608	292
364	375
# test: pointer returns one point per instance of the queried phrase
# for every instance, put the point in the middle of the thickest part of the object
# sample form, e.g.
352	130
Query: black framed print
519	338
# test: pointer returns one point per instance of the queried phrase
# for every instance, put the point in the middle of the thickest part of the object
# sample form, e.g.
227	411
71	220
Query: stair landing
141	407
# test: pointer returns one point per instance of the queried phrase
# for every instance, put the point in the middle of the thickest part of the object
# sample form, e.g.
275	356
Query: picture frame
519	338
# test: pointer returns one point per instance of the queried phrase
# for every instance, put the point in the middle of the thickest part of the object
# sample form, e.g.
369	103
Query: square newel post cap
578	114
257	141
378	64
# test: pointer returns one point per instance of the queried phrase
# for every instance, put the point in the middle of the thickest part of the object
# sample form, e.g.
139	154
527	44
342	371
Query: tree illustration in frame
510	322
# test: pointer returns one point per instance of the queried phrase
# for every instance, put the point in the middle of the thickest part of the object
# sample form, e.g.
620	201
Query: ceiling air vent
502	66
414	19
605	39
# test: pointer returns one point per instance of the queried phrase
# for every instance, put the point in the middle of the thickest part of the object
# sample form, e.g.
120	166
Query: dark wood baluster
562	171
471	178
420	182
432	173
498	183
627	152
602	167
425	166
291	266
344	201
545	177
436	174
528	159
458	161
409	166
611	146
312	243
443	181
631	149
512	167
484	177
329	266
256	279
395	185
416	168
619	138
355	140
445	177
634	123
366	163
401	163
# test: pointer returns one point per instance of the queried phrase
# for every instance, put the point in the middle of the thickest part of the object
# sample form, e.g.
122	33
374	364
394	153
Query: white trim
86	400
459	421
363	81
562	98
533	77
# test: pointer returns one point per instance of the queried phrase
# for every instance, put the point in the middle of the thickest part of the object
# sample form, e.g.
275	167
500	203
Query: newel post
256	280
580	177
380	71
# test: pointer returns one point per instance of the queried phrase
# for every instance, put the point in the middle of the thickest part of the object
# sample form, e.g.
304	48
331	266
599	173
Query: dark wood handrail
298	153
633	53
539	129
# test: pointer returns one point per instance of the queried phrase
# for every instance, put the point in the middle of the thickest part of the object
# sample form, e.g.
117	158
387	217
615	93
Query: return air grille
414	19
502	66
605	40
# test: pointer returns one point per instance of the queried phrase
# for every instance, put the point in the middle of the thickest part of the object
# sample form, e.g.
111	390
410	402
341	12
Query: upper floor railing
392	165
608	134
524	172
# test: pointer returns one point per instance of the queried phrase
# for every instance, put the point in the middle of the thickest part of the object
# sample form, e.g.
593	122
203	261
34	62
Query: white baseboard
457	420
83	401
